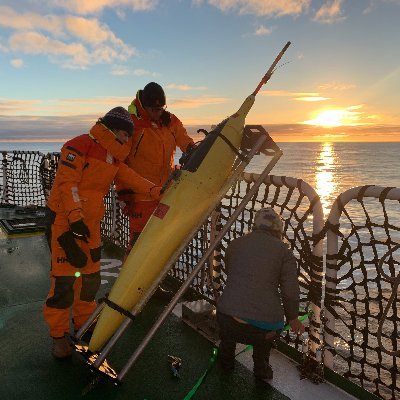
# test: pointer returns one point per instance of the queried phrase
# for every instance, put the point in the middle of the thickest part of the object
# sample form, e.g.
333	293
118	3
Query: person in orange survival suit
88	165
157	135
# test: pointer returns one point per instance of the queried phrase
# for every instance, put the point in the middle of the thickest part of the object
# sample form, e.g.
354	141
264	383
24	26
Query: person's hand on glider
296	326
155	192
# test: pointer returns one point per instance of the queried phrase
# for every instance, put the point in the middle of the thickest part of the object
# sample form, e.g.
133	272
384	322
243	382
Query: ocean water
330	168
43	147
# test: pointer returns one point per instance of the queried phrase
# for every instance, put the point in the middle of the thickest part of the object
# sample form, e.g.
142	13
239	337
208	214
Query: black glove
75	255
80	230
125	195
187	154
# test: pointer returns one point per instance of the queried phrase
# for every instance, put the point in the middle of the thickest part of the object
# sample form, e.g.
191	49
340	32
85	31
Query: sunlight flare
331	118
328	118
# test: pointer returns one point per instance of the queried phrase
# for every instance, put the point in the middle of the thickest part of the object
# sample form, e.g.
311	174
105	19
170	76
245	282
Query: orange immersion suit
87	167
152	156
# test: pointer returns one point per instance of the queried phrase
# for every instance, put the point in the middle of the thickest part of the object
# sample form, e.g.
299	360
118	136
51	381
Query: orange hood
107	139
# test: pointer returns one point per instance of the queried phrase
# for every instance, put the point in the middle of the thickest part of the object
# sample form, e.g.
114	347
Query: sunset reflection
325	179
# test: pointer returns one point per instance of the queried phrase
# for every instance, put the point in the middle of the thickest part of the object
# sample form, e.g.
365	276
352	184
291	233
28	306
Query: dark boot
265	375
61	348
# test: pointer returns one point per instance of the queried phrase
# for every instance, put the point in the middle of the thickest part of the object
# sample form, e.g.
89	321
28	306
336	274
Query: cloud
300	96
96	106
275	93
311	98
262	31
184	87
62	128
263	7
330	12
374	4
143	72
29	21
310	133
195	102
17	62
90	30
61	107
109	101
35	43
56	128
369	8
73	42
307	96
10	106
44	128
122	70
85	7
336	86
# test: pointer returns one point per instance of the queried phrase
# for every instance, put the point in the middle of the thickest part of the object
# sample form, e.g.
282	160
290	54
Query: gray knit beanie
269	220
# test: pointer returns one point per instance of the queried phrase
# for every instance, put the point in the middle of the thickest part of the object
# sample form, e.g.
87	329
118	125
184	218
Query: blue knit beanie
118	118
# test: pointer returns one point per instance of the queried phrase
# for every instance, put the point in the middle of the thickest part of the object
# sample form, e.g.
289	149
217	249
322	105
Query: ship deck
28	370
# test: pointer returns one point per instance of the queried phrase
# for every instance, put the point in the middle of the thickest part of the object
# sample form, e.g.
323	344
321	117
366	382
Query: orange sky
64	64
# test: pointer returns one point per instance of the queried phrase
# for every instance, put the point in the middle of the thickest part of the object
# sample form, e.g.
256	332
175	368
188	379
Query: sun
328	118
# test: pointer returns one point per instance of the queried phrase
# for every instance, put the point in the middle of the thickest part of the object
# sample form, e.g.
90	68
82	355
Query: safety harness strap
233	148
116	307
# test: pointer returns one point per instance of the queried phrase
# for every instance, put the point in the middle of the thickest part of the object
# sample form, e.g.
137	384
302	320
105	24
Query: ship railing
346	302
362	264
20	179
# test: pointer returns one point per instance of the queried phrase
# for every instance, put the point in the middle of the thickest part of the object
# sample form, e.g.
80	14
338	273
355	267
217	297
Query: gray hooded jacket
261	279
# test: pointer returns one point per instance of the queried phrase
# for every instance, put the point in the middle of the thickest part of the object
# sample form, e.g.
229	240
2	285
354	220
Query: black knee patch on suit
90	286
95	254
75	255
63	296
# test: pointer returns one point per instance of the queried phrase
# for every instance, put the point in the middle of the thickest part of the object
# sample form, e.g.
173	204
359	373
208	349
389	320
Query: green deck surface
28	370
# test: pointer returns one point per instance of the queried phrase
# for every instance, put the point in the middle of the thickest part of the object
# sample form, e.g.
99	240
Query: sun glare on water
325	175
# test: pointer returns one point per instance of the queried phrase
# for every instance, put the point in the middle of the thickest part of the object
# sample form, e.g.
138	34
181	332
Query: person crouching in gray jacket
261	290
